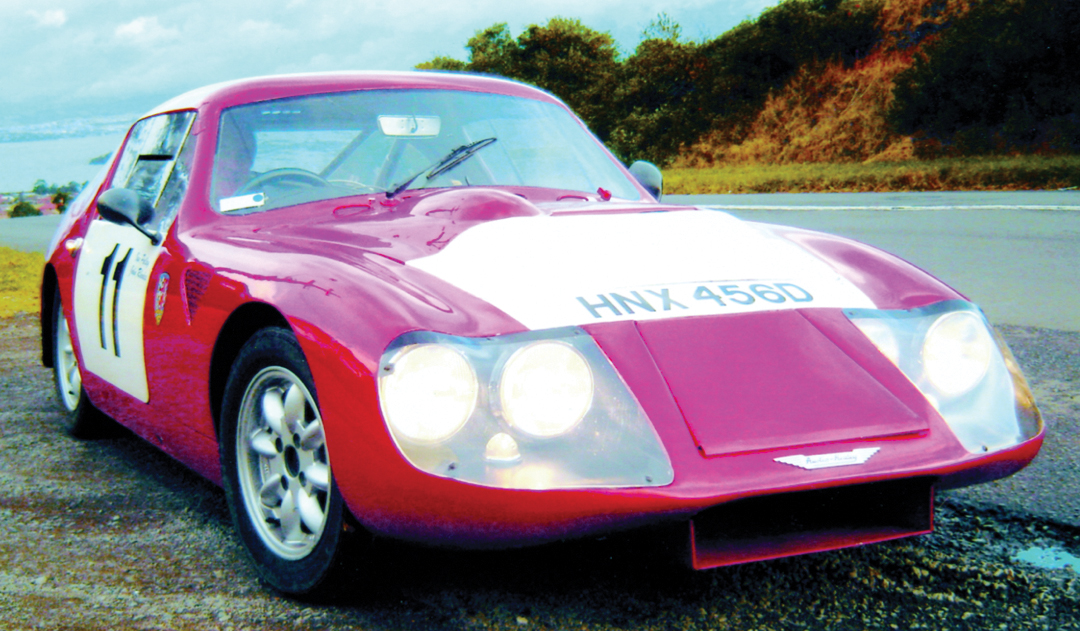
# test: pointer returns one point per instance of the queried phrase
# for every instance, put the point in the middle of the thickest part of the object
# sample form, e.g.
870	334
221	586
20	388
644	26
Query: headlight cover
964	369
546	389
431	392
550	412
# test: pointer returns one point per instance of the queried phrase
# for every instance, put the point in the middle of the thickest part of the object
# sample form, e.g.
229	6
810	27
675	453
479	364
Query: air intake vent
195	284
786	524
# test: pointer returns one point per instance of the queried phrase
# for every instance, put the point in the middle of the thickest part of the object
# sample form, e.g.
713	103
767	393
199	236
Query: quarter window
156	163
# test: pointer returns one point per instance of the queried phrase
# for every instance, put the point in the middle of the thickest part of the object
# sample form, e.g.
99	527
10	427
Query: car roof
240	91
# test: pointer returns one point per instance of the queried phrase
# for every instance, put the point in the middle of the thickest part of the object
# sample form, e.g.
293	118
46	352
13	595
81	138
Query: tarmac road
29	234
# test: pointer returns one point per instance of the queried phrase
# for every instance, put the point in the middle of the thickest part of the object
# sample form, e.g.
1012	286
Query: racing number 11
116	274
111	278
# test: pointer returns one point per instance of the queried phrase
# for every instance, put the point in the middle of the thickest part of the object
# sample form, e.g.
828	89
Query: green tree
659	79
60	200
442	63
574	62
23	208
491	51
564	57
1003	76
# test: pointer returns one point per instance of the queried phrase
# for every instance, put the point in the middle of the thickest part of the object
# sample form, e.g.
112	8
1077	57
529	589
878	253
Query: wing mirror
125	206
649	176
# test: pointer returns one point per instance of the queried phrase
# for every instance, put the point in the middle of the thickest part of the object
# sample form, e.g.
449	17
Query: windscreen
290	151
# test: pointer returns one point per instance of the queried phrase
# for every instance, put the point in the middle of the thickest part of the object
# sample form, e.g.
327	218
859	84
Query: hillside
838	112
816	81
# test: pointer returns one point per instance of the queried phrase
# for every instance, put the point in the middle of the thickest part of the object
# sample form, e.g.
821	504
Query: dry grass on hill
834	113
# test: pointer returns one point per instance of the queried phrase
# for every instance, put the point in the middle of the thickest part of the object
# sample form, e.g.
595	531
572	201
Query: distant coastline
60	151
57	160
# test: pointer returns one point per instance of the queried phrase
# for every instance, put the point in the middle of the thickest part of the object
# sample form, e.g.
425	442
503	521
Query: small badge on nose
825	461
159	297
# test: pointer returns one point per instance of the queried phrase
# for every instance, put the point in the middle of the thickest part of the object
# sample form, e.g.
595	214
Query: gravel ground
111	534
1050	487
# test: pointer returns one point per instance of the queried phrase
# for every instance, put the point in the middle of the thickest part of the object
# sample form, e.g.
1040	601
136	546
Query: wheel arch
243	323
49	284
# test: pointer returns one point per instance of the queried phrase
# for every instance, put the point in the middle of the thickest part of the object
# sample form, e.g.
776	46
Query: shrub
23	208
1001	77
60	200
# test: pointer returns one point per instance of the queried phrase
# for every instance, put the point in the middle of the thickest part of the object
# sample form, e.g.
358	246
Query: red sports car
434	307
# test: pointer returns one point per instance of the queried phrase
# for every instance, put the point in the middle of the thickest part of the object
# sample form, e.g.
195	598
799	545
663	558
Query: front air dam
786	524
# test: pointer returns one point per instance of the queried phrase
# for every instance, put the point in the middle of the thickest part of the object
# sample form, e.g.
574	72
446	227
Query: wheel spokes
74	379
69	380
318	475
310	510
264	444
289	514
273	411
311	437
272	492
294	409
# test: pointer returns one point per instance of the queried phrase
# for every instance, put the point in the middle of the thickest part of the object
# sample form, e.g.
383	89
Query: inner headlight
428	393
546	389
957	352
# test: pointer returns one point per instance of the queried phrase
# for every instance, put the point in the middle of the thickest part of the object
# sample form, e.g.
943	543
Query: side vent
195	284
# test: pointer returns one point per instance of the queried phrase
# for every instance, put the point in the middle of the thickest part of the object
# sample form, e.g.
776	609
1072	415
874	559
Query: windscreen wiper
451	160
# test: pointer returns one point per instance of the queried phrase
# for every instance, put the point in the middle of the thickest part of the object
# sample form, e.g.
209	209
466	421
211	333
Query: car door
113	273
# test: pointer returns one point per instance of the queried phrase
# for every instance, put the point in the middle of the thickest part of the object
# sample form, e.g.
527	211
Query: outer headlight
546	389
535	410
956	352
428	393
948	352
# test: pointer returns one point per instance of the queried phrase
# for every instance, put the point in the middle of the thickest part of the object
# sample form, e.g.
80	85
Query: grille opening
787	524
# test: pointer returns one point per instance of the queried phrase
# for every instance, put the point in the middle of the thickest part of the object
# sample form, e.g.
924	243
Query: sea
58	152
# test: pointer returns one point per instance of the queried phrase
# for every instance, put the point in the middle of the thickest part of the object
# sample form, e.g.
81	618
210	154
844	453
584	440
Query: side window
155	162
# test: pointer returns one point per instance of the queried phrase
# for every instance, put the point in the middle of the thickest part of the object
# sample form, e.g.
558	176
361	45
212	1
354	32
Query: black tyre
82	419
276	468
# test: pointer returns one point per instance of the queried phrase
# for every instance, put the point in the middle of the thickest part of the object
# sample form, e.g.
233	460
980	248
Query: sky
65	59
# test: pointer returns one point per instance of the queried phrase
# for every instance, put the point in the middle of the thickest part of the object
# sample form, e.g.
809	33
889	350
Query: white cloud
52	17
145	30
256	26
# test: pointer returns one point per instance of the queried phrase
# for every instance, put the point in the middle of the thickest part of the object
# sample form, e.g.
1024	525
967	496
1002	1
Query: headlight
428	393
956	352
947	350
534	410
546	389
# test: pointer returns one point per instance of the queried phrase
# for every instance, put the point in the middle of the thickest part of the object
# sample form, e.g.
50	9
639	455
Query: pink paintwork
727	395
